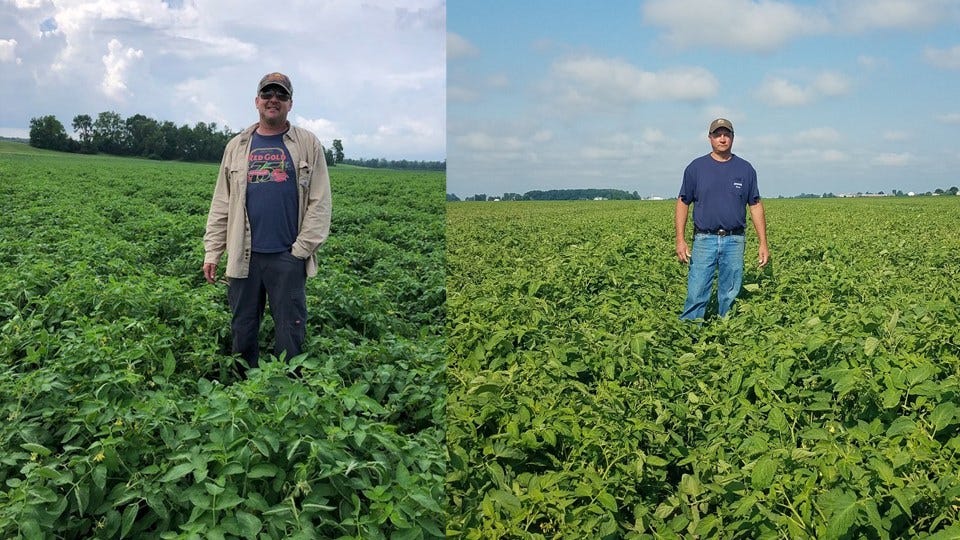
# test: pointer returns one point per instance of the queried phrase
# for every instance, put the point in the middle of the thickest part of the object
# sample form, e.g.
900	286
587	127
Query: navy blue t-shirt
719	192
272	200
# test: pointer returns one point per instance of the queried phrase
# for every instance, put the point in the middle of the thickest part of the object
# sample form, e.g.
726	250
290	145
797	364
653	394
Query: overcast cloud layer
826	96
370	73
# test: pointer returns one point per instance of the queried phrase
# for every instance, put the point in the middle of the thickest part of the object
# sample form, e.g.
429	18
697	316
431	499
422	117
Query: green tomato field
120	415
825	406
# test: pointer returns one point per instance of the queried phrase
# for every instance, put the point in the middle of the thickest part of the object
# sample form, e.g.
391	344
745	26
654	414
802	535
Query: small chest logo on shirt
267	165
738	184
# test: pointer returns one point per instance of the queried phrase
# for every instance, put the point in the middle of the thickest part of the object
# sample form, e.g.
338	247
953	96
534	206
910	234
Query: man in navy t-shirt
719	185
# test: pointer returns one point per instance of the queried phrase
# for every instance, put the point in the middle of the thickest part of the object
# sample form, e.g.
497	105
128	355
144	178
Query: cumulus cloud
950	118
781	92
943	58
865	15
894	159
116	63
819	135
478	141
461	94
459	47
324	129
593	80
189	61
741	24
498	80
8	51
624	146
767	25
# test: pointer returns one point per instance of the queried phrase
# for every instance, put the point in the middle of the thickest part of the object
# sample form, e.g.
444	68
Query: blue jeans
712	253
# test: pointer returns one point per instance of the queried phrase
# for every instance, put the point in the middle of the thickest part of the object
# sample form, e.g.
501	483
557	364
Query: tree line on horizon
620	195
141	136
556	195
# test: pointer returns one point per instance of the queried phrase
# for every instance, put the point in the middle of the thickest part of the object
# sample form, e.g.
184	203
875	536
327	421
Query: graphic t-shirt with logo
272	201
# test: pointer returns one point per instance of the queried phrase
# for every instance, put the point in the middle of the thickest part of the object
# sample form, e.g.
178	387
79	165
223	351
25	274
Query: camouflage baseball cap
720	123
278	79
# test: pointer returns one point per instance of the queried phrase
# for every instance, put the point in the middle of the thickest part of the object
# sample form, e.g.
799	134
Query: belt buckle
722	232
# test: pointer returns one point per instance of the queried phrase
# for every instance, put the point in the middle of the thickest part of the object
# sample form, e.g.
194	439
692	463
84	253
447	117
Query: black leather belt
720	232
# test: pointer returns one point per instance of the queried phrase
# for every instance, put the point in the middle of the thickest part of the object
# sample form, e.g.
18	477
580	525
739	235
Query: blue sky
837	96
372	74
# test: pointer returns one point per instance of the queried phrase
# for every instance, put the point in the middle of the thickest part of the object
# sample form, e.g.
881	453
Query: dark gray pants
281	278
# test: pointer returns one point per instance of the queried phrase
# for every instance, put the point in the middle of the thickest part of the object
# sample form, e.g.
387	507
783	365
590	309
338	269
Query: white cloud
461	94
781	92
498	81
458	47
819	135
480	142
372	65
324	129
865	15
542	136
870	62
766	25
895	136
943	58
594	81
894	159
740	24
950	118
116	63
833	156
8	51
831	83
625	147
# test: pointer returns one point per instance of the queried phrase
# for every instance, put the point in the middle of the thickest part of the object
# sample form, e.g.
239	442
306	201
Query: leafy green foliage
579	406
122	418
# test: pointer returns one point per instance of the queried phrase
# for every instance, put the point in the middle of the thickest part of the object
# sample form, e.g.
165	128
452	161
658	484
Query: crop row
122	415
579	406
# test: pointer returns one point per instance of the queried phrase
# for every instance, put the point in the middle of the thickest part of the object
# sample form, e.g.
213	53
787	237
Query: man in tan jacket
270	212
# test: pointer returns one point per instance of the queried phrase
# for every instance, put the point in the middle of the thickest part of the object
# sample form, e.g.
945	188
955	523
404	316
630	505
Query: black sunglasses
270	94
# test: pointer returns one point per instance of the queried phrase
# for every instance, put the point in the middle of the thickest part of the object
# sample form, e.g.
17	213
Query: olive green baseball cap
720	123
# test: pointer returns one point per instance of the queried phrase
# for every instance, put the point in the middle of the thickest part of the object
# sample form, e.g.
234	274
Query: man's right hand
210	272
683	252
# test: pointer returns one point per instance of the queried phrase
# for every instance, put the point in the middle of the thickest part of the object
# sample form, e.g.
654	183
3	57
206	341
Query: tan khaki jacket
228	228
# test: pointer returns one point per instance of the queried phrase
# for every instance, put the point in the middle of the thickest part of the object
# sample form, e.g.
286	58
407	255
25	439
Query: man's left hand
764	256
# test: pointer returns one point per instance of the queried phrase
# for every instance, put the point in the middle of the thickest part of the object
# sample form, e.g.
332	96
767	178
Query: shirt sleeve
754	195
688	187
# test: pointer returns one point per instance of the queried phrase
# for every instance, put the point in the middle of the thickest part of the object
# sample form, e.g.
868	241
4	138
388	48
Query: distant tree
108	133
141	133
404	164
579	194
47	132
329	157
938	191
452	197
83	125
338	150
953	190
